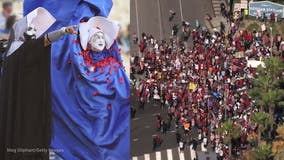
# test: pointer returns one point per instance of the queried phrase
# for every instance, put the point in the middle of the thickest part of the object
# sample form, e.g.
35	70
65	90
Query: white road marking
158	156
147	126
135	158
147	156
160	19
170	154
135	119
155	114
192	152
181	156
180	8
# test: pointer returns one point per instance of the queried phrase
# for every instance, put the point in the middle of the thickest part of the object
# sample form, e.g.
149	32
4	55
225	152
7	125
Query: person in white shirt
7	9
263	27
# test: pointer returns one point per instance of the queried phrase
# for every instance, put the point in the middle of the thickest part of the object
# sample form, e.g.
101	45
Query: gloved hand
69	30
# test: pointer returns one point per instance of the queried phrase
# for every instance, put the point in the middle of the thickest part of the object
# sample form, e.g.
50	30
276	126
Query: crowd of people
202	79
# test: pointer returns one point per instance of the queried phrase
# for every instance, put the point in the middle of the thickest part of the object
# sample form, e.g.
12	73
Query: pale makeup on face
31	30
97	42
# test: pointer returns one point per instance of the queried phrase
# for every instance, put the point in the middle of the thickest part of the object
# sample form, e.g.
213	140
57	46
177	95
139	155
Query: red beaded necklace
100	64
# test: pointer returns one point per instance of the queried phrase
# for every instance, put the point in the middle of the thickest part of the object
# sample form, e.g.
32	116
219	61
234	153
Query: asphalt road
148	13
143	128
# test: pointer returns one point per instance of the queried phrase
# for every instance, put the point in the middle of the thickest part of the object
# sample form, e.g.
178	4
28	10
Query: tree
266	86
263	152
230	132
263	121
248	154
278	144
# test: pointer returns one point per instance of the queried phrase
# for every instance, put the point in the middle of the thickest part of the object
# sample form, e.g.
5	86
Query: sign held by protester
242	5
239	54
255	63
266	7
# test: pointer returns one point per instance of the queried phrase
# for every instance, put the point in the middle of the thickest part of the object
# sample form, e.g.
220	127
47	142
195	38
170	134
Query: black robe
25	103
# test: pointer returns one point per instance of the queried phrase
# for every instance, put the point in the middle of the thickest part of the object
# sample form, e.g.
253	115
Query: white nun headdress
98	24
39	18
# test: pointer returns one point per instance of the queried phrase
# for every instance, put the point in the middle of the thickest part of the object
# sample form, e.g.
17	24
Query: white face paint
30	33
31	30
97	42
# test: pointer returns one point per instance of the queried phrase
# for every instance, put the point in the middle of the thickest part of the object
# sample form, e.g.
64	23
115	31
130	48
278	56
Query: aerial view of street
207	79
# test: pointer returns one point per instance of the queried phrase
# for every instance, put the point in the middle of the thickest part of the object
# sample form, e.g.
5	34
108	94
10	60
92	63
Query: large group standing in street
201	78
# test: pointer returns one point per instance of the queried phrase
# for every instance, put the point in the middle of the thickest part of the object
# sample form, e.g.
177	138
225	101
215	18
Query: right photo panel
207	79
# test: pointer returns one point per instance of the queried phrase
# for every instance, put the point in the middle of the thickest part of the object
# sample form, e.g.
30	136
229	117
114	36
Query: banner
266	7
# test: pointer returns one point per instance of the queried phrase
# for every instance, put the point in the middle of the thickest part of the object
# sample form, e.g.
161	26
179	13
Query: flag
191	86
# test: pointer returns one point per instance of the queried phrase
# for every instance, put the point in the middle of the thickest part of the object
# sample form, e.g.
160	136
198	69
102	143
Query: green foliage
263	152
230	131
274	29
253	26
266	86
274	66
263	120
282	27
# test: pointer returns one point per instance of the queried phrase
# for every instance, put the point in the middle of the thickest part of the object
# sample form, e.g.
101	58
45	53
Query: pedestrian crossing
168	154
175	154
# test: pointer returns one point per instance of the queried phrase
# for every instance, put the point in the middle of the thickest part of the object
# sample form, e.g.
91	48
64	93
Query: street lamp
180	8
271	41
160	20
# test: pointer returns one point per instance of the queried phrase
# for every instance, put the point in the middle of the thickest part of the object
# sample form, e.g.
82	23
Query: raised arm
55	35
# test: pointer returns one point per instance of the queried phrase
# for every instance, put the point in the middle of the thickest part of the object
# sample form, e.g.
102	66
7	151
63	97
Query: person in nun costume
91	109
25	94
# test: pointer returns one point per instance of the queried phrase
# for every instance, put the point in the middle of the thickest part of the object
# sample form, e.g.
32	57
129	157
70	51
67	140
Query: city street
143	129
152	17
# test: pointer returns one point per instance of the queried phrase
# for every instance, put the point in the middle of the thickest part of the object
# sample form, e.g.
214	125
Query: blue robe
90	107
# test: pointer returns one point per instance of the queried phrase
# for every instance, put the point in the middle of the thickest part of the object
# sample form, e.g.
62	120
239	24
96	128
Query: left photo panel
64	80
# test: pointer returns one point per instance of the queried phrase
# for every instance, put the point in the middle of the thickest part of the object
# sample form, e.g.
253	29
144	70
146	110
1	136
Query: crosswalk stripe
174	154
158	156
192	152
169	154
181	156
147	156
